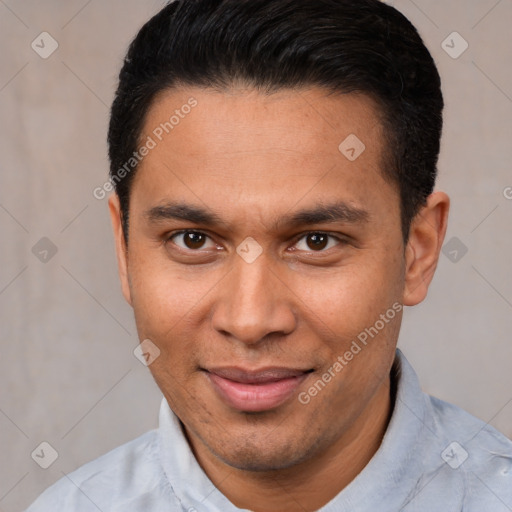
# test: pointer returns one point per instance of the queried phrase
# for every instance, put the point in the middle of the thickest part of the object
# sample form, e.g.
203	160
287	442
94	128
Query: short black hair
342	46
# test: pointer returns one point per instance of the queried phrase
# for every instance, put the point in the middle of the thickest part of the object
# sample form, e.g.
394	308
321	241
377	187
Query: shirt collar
390	477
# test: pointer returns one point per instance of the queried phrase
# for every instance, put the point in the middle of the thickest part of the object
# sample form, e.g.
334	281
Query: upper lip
263	375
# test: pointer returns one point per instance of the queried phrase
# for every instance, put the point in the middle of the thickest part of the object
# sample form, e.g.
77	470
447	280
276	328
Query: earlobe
426	237
121	249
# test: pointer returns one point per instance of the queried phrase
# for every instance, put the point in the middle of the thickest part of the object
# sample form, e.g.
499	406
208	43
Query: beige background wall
67	372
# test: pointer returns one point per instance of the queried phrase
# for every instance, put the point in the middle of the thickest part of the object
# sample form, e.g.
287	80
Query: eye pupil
193	240
317	241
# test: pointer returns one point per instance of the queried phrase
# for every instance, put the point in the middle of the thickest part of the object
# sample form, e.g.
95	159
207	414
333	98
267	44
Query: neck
309	485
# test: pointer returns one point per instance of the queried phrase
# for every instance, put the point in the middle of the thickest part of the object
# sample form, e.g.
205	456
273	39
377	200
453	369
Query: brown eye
317	242
192	240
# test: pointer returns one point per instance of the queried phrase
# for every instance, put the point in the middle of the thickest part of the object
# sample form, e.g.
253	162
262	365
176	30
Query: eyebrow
183	211
338	211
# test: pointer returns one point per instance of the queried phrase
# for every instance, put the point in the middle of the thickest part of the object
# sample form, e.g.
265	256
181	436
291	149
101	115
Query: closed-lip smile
255	390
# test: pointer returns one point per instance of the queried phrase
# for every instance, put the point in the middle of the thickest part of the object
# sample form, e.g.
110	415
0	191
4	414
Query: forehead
245	147
300	120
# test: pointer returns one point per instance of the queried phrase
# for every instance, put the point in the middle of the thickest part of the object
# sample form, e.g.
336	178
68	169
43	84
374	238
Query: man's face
211	302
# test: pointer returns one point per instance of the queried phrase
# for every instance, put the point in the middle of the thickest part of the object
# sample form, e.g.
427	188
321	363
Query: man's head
279	218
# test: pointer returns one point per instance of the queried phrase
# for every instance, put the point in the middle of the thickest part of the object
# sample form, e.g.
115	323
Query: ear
121	249
426	236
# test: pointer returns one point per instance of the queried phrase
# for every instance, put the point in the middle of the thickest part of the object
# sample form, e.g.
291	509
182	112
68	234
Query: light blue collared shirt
434	457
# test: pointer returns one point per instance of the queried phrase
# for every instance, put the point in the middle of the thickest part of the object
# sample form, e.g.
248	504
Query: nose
254	303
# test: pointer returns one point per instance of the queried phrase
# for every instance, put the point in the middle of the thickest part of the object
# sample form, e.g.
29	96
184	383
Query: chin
263	456
258	462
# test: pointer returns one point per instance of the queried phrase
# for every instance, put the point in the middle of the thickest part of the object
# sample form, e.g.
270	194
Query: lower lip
255	397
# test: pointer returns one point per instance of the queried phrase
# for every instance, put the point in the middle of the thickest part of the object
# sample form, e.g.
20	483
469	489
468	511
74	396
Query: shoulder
478	455
121	476
478	436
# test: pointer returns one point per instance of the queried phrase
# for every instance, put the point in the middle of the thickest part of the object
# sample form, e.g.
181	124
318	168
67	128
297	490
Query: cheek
169	305
351	298
162	296
162	302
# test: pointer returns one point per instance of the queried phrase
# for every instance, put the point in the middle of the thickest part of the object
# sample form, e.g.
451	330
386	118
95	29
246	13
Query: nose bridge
254	302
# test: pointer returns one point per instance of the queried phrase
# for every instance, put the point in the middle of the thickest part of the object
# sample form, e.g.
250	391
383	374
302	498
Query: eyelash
340	241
